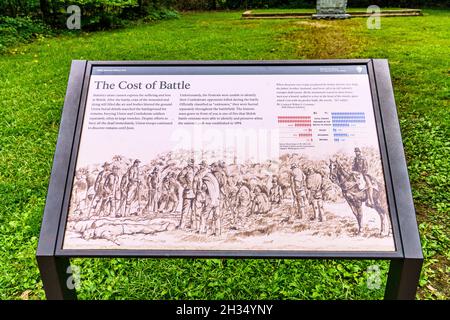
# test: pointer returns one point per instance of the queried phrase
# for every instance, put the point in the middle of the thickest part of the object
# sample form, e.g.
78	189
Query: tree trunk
142	6
12	9
54	5
45	9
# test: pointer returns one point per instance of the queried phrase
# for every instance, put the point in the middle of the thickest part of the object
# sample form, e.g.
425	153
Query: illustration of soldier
80	199
207	215
202	171
174	189
186	180
230	198
111	193
98	189
164	199
361	166
168	201
197	216
276	192
298	190
220	172
153	185
132	188
261	203
315	185
123	194
243	202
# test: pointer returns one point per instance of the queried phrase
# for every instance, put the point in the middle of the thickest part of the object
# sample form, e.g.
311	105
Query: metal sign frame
406	260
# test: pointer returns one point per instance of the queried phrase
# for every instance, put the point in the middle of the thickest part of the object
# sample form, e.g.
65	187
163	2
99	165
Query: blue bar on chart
348	125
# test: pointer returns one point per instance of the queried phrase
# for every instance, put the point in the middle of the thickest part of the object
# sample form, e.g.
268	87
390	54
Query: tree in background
45	8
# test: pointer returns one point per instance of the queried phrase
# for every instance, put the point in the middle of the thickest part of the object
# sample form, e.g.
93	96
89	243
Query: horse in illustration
356	196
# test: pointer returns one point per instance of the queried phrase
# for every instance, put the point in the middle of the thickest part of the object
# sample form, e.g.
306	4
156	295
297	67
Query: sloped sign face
229	158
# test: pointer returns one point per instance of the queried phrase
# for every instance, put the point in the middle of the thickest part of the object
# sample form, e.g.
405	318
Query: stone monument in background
331	9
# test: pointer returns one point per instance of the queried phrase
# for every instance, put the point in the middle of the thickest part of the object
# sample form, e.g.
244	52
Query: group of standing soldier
206	193
114	195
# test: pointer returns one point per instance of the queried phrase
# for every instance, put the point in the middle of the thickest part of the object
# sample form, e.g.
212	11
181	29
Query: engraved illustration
195	200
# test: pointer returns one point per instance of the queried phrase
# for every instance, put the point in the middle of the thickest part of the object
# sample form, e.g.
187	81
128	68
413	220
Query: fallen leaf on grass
25	294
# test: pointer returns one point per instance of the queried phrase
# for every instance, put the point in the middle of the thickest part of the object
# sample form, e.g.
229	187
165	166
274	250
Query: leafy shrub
253	4
108	14
95	14
192	4
14	8
161	14
109	8
20	29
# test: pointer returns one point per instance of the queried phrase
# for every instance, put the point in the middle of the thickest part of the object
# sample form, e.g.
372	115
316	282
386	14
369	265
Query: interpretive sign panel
230	159
267	159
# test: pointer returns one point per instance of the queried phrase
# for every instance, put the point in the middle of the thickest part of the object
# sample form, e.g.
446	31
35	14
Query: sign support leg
403	279
55	275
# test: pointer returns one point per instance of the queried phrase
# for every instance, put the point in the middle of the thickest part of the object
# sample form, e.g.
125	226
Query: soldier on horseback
360	165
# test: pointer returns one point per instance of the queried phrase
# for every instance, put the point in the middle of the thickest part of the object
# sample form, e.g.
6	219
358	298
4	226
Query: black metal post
403	279
55	275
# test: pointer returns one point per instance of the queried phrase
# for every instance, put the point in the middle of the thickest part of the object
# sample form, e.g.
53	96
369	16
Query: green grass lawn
33	80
